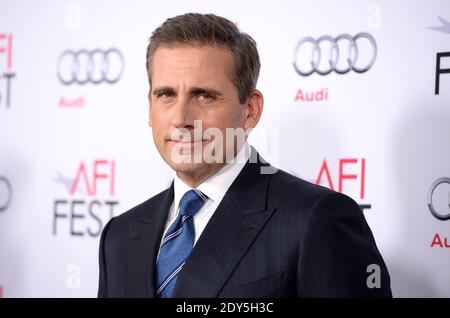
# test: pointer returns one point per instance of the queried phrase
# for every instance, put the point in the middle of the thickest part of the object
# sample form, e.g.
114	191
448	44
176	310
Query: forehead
194	62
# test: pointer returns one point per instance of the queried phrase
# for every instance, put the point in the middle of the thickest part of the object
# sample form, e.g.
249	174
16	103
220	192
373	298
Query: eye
205	98
165	96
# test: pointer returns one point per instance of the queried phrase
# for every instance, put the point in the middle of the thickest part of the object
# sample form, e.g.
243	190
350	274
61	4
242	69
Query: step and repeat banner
357	98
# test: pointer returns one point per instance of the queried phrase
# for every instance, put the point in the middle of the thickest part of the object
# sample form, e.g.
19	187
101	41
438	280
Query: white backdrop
71	156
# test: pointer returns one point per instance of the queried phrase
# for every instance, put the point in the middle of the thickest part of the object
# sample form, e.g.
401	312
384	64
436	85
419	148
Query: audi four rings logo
96	66
340	60
441	216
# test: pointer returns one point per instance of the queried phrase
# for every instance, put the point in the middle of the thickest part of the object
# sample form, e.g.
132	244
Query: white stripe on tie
167	281
202	196
175	234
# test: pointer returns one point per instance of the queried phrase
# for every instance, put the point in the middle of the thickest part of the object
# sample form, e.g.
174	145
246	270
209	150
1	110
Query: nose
182	114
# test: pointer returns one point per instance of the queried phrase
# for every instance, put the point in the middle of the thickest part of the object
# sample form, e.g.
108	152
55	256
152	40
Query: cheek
157	126
157	116
152	112
234	117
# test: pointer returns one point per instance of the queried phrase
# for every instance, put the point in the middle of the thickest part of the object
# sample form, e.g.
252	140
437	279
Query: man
230	225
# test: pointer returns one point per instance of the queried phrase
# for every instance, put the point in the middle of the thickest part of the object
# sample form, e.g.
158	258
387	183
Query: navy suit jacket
272	235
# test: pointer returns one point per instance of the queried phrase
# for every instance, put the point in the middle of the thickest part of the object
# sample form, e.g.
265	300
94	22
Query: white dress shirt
214	188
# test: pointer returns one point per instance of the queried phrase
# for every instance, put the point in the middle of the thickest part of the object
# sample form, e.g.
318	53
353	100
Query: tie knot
191	202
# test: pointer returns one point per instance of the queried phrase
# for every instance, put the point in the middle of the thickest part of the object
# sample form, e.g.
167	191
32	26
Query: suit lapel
231	230
146	232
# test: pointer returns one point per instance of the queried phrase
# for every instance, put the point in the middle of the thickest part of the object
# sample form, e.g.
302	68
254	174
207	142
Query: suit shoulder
286	185
293	190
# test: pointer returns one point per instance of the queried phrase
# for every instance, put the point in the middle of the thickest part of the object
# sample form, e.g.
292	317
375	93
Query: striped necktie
177	243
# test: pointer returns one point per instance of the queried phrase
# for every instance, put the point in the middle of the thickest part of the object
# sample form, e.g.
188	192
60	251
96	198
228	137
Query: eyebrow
192	91
202	90
163	89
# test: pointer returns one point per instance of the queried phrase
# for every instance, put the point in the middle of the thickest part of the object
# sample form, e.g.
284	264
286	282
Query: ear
255	105
149	109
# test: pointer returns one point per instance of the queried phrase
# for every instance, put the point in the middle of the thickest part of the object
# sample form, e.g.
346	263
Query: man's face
193	83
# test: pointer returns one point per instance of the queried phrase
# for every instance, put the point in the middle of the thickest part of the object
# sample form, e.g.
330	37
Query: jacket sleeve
103	279
338	256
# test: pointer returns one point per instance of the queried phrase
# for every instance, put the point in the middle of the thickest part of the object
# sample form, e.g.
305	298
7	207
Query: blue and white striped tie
177	243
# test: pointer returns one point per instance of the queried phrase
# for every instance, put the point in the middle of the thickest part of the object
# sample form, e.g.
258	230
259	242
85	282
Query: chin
194	168
189	168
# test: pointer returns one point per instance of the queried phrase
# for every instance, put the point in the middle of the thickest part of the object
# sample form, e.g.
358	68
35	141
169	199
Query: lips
193	143
187	142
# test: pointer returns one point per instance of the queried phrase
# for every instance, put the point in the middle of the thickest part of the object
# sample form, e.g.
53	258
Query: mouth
187	143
